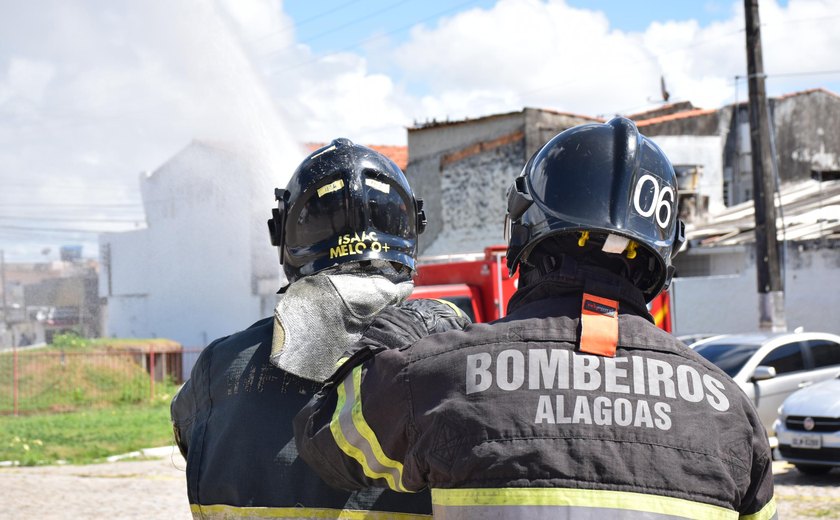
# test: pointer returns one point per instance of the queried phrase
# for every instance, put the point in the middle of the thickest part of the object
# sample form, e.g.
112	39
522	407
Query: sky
95	92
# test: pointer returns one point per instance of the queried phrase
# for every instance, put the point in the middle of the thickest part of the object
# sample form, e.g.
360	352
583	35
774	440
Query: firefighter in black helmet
574	405
346	228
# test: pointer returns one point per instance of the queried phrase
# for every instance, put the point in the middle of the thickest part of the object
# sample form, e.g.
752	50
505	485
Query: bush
69	341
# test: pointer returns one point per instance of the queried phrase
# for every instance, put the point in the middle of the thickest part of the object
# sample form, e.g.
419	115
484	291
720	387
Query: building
806	137
462	170
710	150
715	286
45	298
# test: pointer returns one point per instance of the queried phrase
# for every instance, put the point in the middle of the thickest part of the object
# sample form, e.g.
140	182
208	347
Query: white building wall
702	150
200	270
729	304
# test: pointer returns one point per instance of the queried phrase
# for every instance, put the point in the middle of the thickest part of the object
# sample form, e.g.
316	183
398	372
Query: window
825	353
786	358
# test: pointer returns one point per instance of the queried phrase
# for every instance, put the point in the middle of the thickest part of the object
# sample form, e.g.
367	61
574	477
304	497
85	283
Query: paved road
156	489
127	489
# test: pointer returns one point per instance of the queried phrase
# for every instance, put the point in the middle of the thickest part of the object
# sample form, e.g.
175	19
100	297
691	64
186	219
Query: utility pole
771	297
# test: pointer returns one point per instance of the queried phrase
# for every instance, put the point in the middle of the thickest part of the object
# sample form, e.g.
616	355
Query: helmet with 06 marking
599	191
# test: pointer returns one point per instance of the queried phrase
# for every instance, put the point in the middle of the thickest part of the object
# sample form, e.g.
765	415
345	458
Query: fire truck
479	284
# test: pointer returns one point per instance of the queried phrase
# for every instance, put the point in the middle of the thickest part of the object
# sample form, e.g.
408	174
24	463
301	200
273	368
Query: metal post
3	288
151	373
14	380
769	280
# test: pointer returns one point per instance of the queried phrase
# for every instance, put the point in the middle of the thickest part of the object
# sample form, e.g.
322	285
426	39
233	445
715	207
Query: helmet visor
321	216
388	208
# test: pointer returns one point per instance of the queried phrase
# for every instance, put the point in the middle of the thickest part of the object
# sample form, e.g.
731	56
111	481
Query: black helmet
600	179
345	203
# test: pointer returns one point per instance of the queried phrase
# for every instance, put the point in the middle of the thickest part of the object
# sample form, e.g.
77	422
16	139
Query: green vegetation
75	373
71	341
99	393
85	436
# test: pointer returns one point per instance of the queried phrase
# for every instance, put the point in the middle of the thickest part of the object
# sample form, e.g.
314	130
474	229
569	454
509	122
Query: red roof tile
398	154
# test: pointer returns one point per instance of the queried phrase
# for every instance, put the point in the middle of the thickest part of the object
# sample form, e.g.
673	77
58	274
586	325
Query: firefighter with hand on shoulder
575	405
346	227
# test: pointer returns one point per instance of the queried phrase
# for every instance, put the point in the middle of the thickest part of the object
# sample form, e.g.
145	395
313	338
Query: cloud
108	90
549	54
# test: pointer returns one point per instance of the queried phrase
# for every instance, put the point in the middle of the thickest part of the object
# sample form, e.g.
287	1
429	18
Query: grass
87	436
74	373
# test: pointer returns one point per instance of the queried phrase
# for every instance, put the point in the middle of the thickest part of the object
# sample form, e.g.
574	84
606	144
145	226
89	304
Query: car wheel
809	469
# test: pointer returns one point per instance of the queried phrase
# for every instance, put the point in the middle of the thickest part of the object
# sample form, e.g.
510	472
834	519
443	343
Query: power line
801	73
306	20
68	219
62	205
344	26
4	227
377	37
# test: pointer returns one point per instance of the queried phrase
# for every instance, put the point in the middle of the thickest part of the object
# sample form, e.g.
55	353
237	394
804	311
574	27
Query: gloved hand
401	325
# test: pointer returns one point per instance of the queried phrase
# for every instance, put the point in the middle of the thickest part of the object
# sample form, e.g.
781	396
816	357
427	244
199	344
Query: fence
46	380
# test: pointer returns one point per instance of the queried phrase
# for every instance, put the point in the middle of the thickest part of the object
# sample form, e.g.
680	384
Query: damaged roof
810	211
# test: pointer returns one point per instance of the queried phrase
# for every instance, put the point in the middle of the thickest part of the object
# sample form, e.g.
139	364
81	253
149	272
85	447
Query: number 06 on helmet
607	180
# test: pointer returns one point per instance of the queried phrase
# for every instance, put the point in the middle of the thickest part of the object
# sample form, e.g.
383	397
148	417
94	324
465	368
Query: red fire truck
479	284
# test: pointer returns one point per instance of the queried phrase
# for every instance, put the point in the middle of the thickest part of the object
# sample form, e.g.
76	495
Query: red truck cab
479	284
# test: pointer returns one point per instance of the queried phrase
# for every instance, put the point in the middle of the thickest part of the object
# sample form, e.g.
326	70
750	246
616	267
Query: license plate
809	442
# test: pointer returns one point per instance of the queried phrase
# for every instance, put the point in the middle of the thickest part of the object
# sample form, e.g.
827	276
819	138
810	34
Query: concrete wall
703	124
427	148
542	125
729	304
436	140
463	170
807	134
473	198
699	150
204	267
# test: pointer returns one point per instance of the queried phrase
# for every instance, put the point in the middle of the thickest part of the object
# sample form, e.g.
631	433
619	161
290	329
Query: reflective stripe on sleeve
546	503
220	511
768	512
355	437
458	311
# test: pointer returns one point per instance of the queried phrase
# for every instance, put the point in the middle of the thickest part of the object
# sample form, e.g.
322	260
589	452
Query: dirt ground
156	489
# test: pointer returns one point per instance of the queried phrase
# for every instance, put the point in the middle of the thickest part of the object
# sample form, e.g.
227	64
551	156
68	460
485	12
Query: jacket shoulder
256	330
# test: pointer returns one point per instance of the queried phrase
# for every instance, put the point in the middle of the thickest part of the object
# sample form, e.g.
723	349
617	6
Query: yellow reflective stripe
225	511
367	432
341	361
765	513
458	311
659	317
581	498
352	451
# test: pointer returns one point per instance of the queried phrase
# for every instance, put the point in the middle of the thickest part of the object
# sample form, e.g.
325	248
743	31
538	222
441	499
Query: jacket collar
573	281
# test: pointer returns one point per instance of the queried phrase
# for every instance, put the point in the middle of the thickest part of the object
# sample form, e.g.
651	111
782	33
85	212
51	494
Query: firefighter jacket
512	420
233	423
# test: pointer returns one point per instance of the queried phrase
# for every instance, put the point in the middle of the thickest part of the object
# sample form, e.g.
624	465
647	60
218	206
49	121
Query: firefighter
346	229
574	405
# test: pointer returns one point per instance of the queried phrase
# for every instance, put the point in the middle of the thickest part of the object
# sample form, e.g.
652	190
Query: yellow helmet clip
584	236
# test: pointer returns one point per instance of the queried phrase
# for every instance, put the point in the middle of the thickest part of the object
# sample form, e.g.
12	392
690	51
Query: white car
770	366
808	428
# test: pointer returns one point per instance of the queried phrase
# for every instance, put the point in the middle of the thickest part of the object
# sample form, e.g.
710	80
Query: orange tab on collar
598	325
